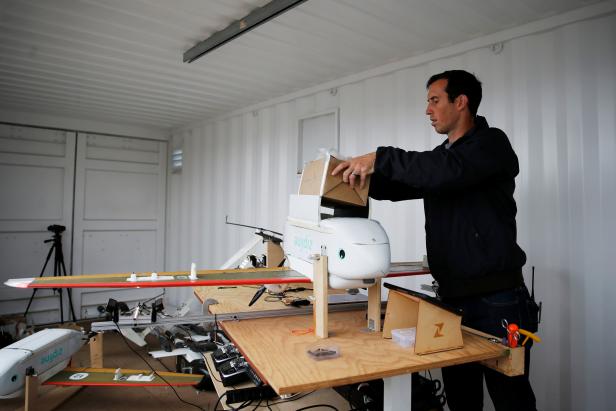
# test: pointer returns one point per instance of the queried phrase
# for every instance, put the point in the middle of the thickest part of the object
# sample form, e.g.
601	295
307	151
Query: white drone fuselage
357	248
46	353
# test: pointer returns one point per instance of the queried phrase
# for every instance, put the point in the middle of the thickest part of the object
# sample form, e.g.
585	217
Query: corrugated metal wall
554	94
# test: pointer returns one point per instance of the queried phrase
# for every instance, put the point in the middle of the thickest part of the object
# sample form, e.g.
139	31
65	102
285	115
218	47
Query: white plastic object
117	376
141	378
193	272
404	337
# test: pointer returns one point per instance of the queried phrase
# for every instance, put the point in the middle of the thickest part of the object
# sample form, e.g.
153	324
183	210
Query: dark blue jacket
469	206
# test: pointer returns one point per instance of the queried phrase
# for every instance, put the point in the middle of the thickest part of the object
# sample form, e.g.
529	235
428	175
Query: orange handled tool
528	335
513	335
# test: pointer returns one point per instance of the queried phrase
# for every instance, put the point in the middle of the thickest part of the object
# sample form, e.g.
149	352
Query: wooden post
374	307
320	286
39	398
274	253
96	351
32	389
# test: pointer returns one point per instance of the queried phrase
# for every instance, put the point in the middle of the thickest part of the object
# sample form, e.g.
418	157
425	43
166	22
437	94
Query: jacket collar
480	124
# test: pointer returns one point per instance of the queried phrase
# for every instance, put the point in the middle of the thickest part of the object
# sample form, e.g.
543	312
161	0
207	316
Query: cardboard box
317	180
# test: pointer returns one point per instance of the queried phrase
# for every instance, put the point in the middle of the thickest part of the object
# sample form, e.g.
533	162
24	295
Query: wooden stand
320	286
96	351
47	400
274	253
38	398
436	328
374	307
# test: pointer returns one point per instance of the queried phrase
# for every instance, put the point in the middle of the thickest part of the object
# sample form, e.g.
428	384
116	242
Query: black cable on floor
156	372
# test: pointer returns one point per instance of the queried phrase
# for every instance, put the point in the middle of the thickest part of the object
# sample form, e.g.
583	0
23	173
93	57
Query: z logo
439	329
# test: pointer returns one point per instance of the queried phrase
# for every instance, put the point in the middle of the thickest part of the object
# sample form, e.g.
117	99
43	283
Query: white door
36	186
119	214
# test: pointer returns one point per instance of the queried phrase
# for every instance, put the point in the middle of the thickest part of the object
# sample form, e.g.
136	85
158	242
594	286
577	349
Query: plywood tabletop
281	358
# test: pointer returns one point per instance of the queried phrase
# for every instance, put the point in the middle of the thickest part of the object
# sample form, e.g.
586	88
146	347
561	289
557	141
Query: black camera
56	229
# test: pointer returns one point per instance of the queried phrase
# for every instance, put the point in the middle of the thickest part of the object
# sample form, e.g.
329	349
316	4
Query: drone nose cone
11	379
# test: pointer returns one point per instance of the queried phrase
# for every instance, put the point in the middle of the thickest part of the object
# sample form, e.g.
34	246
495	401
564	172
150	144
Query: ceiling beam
253	19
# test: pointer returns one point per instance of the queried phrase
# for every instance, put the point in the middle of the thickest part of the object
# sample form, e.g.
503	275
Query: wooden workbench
280	356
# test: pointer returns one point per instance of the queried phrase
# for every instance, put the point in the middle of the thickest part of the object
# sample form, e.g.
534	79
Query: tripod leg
56	273
68	290
30	302
40	275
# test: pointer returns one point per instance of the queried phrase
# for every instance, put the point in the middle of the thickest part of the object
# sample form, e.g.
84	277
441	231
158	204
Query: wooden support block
274	253
320	286
374	307
511	364
512	361
96	351
39	398
32	390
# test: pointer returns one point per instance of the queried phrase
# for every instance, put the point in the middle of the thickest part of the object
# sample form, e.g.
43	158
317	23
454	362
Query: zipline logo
304	242
439	330
51	357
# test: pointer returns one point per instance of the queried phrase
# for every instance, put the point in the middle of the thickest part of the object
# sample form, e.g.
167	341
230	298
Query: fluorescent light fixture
237	28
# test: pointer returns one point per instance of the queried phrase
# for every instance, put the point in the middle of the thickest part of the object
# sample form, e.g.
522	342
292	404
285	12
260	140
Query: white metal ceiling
121	60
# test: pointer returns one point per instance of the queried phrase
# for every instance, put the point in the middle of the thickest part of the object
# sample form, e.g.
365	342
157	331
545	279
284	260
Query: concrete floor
117	354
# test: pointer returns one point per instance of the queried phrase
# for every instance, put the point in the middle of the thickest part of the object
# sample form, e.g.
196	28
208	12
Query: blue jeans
464	383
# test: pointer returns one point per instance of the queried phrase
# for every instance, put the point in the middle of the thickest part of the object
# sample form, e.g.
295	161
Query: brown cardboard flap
331	187
337	190
311	178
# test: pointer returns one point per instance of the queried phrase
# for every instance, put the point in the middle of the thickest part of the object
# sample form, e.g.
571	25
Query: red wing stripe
121	384
157	284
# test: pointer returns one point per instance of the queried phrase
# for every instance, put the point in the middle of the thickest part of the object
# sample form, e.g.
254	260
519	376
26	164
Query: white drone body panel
357	248
47	352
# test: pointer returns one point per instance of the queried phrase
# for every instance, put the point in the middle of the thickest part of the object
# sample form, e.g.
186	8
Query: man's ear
461	102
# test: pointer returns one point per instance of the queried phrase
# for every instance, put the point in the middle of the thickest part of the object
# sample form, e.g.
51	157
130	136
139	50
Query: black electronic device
254	377
264	392
234	371
201	346
223	354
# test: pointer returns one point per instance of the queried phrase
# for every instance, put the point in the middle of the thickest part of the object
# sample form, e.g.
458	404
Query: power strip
263	392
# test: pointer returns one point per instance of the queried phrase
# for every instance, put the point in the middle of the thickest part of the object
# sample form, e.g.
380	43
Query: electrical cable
224	394
317	405
154	371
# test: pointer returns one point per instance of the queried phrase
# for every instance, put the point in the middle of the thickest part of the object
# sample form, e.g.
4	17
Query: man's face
443	114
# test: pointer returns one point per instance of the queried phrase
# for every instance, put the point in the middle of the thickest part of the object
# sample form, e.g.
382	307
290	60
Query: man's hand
361	167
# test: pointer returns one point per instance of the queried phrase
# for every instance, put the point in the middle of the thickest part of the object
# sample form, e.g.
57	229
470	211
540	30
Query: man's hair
461	82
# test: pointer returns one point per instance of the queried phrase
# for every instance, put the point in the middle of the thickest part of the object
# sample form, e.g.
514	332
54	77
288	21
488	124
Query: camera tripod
58	269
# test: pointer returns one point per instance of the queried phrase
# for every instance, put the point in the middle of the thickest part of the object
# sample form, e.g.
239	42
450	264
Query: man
467	185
